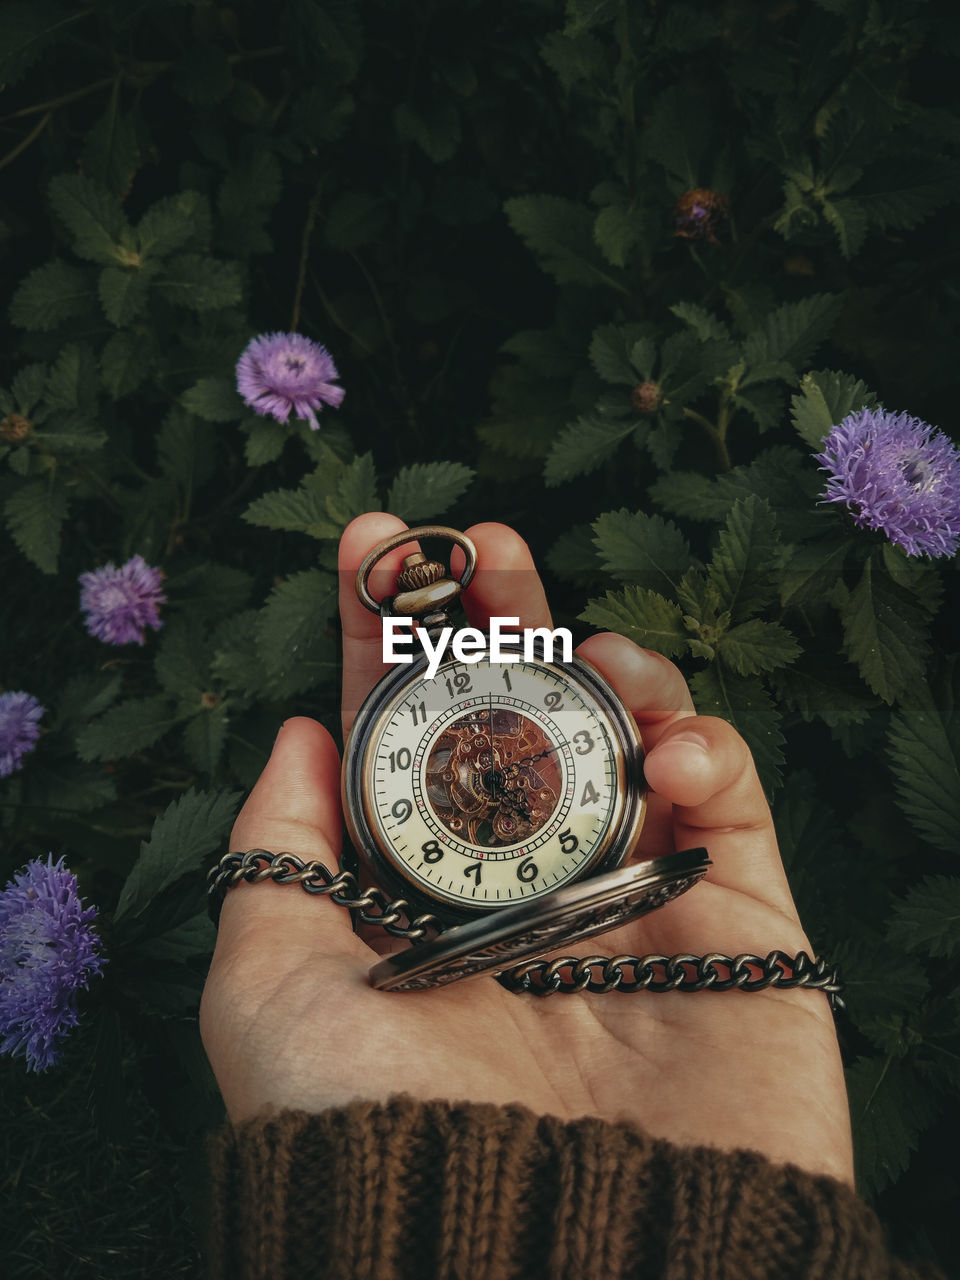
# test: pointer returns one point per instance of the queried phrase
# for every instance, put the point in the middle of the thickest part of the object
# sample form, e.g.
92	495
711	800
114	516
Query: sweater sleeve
412	1190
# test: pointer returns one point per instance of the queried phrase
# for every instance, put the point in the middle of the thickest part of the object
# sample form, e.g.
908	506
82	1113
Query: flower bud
698	214
15	428
646	399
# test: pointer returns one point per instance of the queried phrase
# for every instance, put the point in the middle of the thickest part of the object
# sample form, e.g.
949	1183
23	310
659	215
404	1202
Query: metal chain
543	977
713	972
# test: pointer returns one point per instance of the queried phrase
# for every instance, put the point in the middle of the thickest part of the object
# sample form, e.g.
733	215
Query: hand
288	1018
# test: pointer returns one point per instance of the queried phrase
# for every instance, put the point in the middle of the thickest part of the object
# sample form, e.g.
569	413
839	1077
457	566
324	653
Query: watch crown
419	572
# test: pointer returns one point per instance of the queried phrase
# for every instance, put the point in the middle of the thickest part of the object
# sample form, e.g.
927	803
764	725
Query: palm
289	1019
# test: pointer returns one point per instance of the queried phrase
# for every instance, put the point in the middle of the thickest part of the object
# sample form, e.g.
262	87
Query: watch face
493	784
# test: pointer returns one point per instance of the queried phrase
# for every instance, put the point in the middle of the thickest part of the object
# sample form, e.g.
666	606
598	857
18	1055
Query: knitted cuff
408	1190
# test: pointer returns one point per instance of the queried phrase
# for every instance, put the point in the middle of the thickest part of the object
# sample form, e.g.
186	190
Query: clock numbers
480	797
589	796
459	683
402	811
568	841
418	712
431	851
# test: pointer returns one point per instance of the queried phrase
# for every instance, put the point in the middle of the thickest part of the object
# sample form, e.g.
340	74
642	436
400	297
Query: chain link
713	972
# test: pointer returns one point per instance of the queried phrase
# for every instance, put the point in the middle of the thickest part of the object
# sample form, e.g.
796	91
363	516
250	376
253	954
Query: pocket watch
501	797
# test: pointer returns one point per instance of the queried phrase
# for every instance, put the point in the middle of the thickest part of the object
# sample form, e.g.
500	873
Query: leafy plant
609	272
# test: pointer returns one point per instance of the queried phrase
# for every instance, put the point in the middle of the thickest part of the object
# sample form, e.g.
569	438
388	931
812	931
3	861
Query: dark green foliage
473	206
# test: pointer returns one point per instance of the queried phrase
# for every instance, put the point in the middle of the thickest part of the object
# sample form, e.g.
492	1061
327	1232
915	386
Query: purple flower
283	371
897	474
120	603
48	952
19	729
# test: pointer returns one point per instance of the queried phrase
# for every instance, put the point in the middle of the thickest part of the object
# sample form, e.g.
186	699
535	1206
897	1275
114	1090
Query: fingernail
686	738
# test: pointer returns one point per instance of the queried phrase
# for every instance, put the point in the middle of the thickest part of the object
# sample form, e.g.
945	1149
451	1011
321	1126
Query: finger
294	808
506	583
704	769
652	687
363	663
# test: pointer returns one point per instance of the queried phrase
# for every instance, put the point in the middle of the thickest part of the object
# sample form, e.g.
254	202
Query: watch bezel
618	842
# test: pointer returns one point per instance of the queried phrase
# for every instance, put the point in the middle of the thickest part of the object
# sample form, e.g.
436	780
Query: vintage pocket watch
503	798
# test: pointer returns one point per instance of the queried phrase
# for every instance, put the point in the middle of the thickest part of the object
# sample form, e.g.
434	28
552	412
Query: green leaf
744	564
172	223
706	326
690	495
205	735
111	152
302	510
584	445
642	616
928	918
643	549
749	708
209	591
51	295
820	695
353	492
27	28
812	572
183	660
193	938
200	283
265	439
34	514
125	362
825	399
72	382
189	829
125	729
294	631
676	134
756	646
900	193
573	556
124	292
617	230
28	385
435	130
890	1108
793	331
184	450
611	349
427	489
94	217
214	400
356	218
850	221
884	632
65	786
560	233
573	58
86	696
924	754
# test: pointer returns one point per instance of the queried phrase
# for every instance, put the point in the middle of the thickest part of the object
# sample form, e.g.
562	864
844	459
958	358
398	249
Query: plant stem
34	133
715	435
304	250
64	98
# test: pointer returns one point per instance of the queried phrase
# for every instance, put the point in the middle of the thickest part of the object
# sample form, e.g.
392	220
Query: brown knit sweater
409	1190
